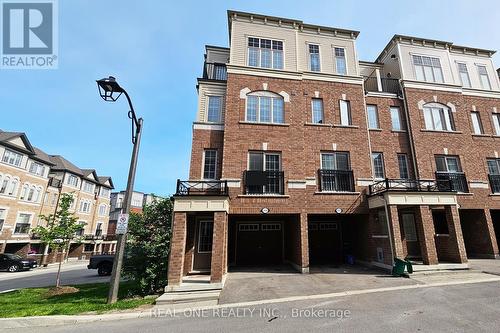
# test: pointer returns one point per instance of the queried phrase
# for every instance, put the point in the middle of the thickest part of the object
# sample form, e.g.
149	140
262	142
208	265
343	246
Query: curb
156	312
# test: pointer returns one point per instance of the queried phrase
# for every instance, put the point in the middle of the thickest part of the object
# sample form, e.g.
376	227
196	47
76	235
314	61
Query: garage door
325	243
259	244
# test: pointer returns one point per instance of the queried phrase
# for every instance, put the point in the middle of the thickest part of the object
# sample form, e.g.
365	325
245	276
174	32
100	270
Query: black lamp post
110	90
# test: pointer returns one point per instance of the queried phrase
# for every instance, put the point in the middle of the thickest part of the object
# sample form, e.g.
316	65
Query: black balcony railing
388	85
264	182
452	181
215	71
336	180
54	182
410	185
494	183
201	187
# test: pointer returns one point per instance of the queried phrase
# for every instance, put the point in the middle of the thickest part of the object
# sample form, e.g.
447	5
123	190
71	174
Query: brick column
219	263
425	229
396	232
456	240
492	238
177	246
304	243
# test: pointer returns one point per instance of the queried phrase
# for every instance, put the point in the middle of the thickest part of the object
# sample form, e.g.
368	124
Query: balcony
388	85
215	71
54	182
201	187
264	182
336	180
452	181
494	183
442	184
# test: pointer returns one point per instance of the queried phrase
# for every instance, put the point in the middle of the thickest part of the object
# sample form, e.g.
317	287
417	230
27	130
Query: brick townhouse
137	204
31	183
303	154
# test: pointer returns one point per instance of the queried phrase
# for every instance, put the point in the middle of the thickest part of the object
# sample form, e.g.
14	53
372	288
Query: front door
203	245
410	235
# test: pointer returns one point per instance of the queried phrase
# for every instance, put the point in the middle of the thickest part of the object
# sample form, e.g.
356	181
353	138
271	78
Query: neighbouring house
31	183
303	154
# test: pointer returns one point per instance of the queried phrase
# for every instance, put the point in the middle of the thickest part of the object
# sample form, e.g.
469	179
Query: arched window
24	192
4	184
31	193
438	117
265	107
36	196
13	187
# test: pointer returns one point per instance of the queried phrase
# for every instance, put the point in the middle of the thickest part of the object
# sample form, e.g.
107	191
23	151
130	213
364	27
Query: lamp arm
136	126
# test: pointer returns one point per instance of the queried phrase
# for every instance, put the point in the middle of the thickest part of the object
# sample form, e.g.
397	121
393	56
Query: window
3	213
24	192
85	206
102	210
269	179
88	187
483	76
440	223
378	165
98	229
493	166
53	201
345	113
438	118
265	53
265	109
270	227
205	236
4	184
477	126
448	164
214	109
88	247
13	187
372	116
403	166
427	69
464	74
317	111
314	61
340	63
72	180
104	192
12	158
22	223
328	226
396	120
80	232
496	123
335	161
37	169
248	227
210	164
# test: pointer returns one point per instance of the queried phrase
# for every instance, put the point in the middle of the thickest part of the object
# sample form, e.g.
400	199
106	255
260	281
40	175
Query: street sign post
122	224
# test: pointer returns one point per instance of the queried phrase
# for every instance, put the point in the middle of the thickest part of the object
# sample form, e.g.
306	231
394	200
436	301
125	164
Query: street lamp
110	90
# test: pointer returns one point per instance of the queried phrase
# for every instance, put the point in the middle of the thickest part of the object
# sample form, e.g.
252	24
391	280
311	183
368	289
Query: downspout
368	133
409	131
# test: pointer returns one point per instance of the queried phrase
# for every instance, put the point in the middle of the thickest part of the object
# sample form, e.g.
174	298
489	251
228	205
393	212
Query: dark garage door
325	243
259	243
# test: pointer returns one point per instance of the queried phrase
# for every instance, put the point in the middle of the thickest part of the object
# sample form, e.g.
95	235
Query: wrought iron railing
388	85
494	183
264	182
215	71
452	181
201	187
336	180
54	182
410	185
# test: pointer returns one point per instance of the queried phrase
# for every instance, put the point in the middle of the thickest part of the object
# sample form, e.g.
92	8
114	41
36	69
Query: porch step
439	268
182	297
192	287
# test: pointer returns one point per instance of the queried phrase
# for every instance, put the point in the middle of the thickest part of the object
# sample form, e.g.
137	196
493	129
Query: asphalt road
458	308
72	273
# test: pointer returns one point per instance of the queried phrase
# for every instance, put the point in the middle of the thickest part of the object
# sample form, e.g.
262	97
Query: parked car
102	262
14	263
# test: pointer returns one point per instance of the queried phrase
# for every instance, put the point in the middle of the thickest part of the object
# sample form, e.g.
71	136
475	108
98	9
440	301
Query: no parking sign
122	224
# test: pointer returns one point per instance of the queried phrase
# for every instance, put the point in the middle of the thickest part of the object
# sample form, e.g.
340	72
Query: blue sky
155	49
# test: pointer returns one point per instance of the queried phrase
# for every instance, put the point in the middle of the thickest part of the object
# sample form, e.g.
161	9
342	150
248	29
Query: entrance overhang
201	204
412	199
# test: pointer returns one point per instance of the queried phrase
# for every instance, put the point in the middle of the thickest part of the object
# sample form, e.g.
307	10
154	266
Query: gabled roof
7	137
90	174
42	156
62	164
106	181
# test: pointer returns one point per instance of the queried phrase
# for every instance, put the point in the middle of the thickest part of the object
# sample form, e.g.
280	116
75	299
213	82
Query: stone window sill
481	136
375	129
276	196
443	132
399	131
264	124
345	126
337	193
318	124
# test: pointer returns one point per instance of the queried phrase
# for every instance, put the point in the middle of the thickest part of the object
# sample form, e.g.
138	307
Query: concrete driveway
261	284
491	266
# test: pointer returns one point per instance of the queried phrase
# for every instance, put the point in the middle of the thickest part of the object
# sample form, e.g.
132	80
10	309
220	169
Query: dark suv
14	263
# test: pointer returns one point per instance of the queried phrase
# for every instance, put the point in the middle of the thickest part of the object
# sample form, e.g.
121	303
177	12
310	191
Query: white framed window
345	113
205	235
102	210
483	77
53	200
477	126
427	69
464	74
23	223
3	216
403	166
37	169
88	187
271	162
314	59
372	116
214	111
248	227
268	108
266	53
210	164
98	229
378	165
396	119
85	206
72	180
335	161
12	158
438	118
493	166
496	123
317	111
4	184
104	192
80	232
340	63
448	164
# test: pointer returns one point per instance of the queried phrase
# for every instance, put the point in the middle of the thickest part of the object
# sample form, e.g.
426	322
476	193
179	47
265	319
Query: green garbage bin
409	267
399	267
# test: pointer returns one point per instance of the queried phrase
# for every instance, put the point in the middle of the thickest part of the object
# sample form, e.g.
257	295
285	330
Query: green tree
61	228
148	246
